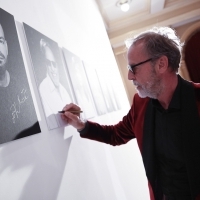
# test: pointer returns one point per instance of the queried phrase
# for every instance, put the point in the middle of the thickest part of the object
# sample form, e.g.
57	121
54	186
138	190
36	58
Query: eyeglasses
51	63
132	68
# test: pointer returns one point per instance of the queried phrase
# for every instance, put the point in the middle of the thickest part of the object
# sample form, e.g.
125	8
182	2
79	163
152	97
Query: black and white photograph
50	74
18	116
80	84
95	88
109	91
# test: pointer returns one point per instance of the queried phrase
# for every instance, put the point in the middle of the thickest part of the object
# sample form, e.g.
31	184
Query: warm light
125	7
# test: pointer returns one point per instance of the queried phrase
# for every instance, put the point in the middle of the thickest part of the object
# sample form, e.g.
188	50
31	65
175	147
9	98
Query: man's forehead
136	53
136	48
49	54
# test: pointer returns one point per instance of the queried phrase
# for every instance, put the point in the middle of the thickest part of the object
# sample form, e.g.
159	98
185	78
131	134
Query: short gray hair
160	41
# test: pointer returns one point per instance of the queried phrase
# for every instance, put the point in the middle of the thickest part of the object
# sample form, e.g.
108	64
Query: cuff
84	130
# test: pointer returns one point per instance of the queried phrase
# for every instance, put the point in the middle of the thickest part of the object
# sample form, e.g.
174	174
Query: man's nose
131	75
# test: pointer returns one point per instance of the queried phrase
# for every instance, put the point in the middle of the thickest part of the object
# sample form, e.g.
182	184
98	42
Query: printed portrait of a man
80	83
18	117
51	77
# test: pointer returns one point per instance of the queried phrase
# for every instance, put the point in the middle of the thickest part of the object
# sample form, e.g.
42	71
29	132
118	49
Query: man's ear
162	64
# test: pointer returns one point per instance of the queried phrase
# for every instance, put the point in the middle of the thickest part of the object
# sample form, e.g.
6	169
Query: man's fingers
71	116
71	106
73	120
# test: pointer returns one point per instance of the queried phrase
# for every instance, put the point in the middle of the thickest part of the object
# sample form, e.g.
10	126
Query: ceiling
144	14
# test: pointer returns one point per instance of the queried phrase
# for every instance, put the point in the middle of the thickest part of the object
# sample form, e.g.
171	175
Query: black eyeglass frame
131	67
2	40
50	63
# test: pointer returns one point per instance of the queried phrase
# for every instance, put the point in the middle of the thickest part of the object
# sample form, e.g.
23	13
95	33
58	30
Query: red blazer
138	123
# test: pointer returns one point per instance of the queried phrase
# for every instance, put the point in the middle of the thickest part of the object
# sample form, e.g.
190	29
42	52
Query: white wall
58	164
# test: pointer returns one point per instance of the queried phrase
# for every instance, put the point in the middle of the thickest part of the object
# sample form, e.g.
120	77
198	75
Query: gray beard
152	88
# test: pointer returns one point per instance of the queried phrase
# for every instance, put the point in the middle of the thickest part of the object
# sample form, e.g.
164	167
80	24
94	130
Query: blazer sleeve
114	135
119	133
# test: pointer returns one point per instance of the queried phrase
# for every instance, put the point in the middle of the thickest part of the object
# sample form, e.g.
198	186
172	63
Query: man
164	117
54	95
4	74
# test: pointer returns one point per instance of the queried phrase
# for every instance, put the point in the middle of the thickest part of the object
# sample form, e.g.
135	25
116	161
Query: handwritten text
16	106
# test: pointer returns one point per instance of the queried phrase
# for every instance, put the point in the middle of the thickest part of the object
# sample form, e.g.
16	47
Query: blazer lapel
191	135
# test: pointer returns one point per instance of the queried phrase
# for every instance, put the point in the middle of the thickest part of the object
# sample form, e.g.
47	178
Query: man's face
145	78
3	49
52	69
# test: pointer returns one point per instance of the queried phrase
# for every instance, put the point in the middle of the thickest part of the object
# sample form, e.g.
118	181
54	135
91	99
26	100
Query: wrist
84	129
81	125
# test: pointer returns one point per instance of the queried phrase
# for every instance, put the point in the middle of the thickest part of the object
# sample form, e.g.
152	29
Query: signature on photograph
16	106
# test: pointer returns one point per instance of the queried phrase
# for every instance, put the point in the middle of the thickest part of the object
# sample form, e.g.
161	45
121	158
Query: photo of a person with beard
18	116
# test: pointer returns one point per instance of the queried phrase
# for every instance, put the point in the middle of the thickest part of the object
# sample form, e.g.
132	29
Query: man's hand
73	118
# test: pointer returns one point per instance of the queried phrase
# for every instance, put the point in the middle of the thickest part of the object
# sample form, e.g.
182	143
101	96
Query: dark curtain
192	57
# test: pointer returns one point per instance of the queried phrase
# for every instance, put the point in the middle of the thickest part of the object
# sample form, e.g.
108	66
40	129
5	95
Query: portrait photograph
50	75
80	84
18	117
95	87
109	91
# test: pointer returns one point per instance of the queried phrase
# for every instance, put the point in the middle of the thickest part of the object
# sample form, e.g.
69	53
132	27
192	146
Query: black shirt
169	148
